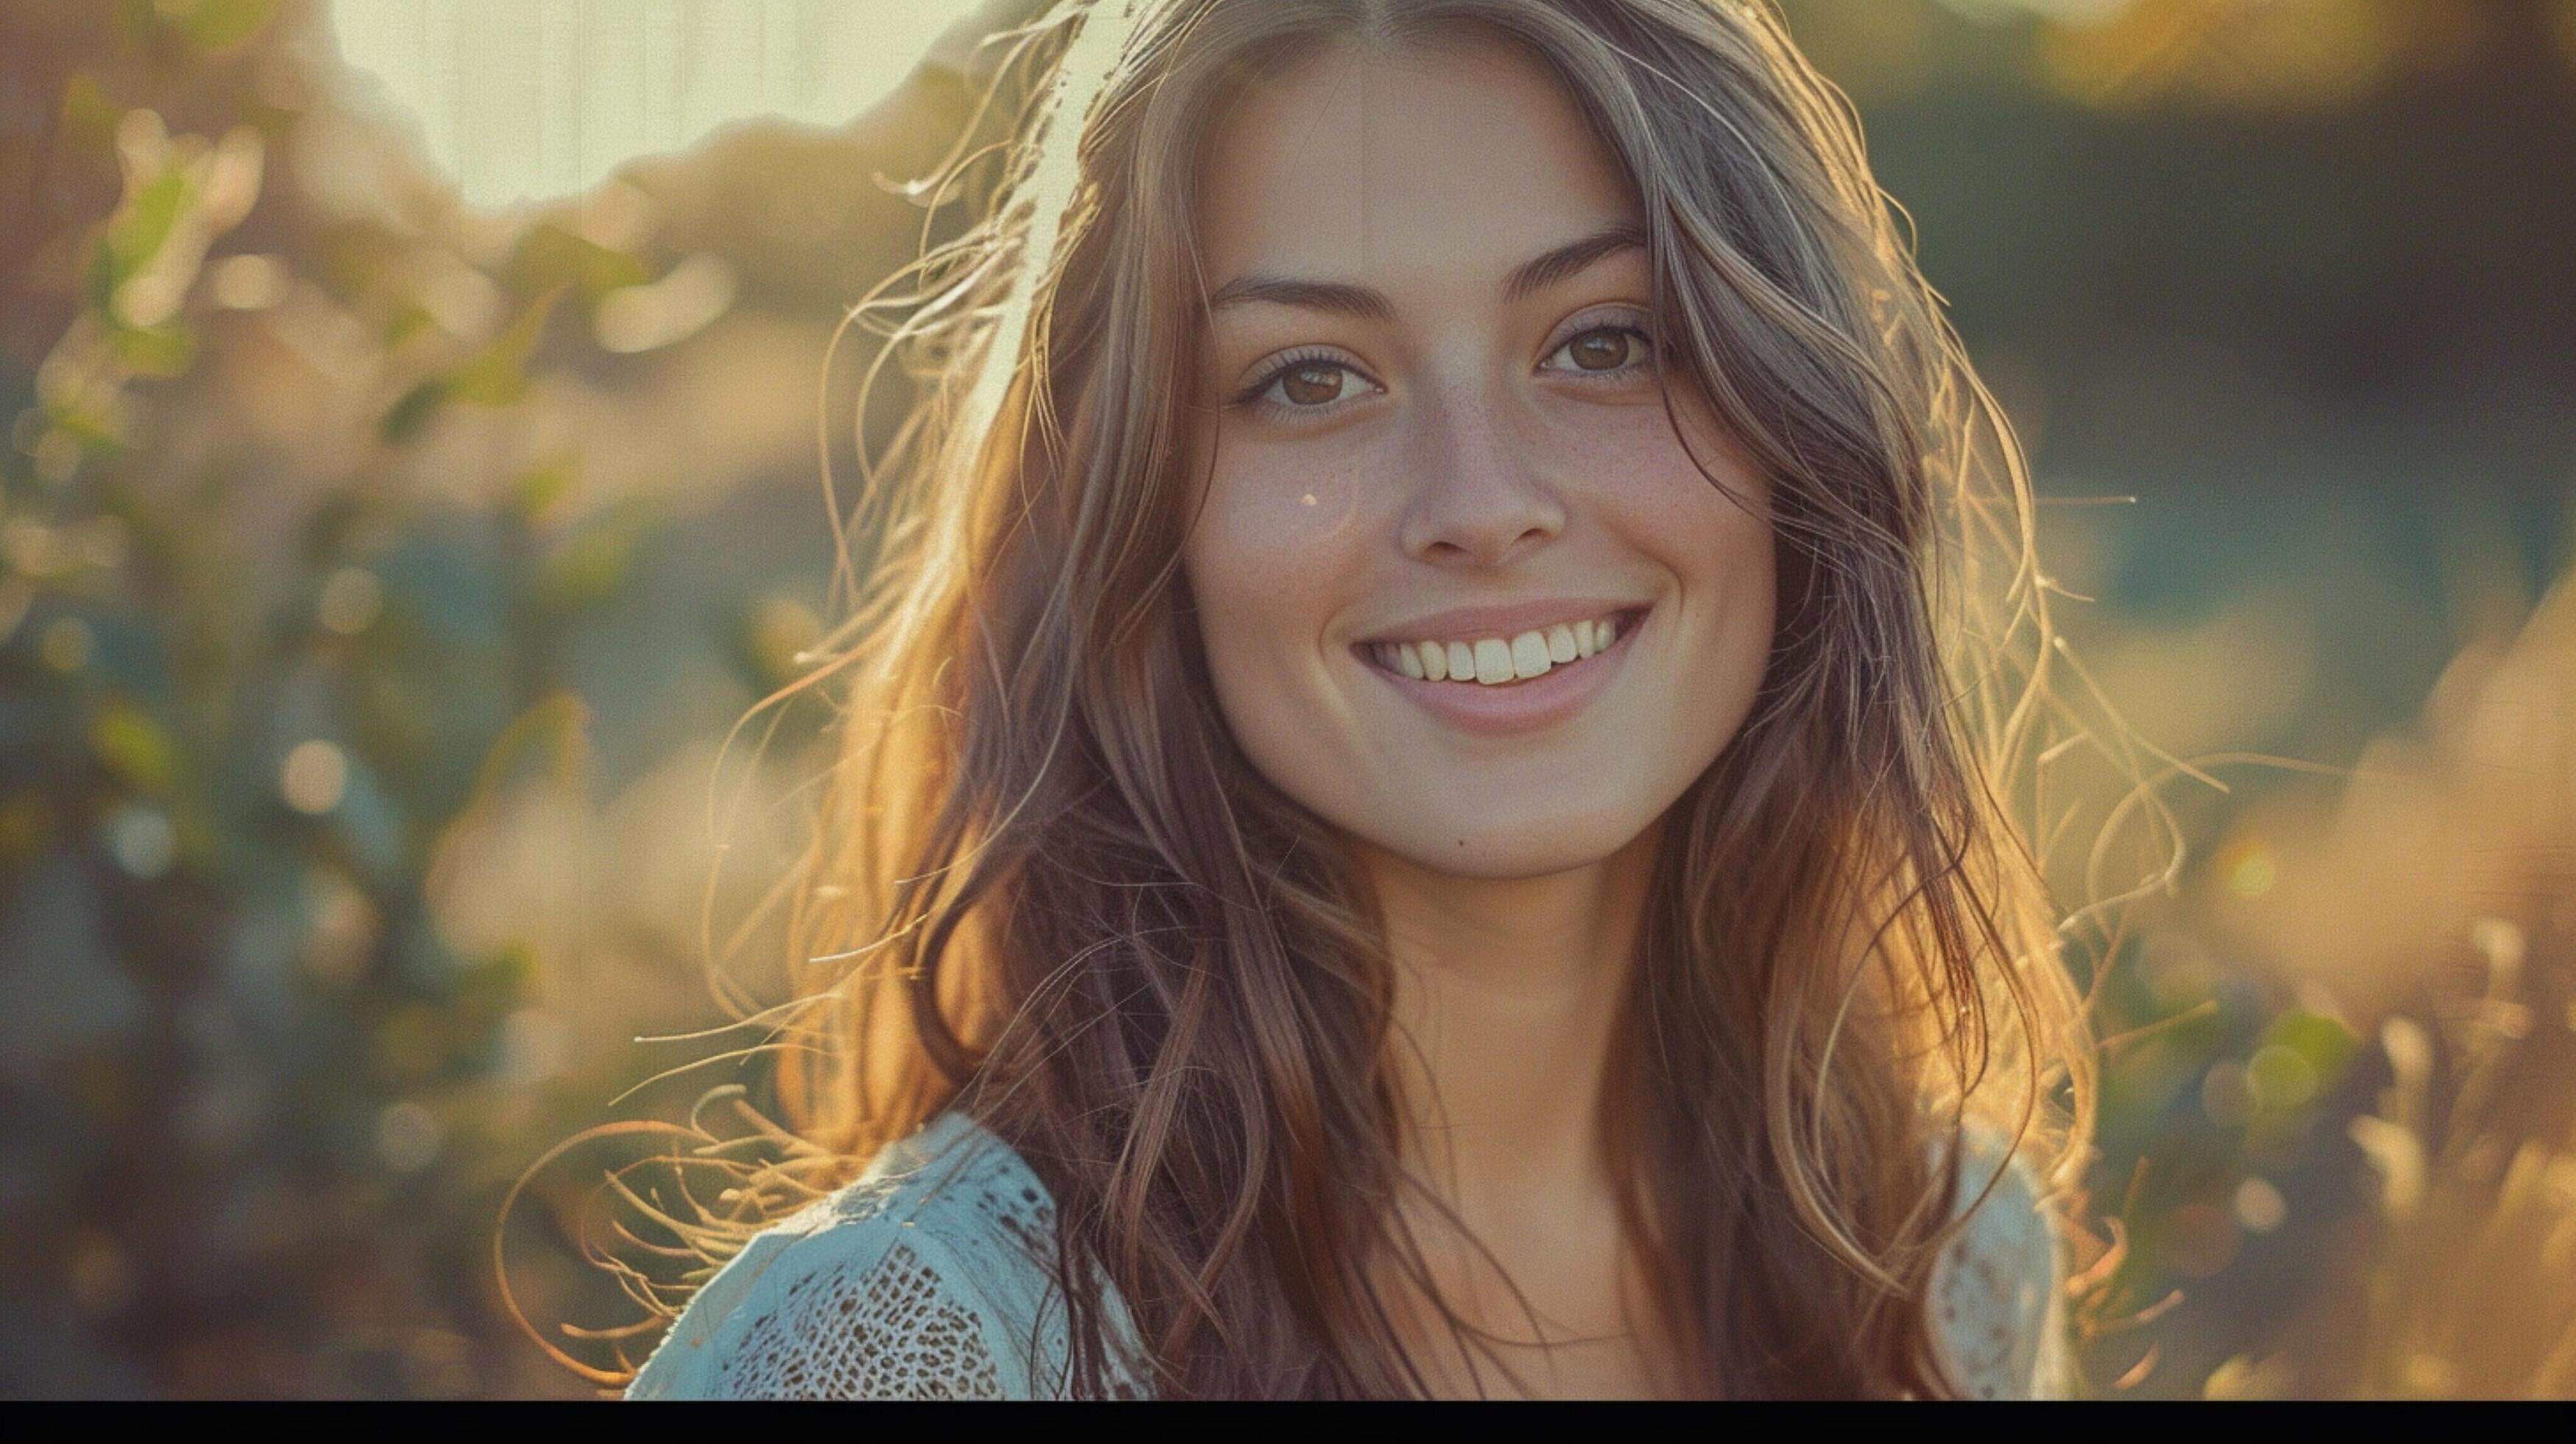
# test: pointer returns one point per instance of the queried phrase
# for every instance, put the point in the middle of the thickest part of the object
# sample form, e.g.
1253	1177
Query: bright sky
529	100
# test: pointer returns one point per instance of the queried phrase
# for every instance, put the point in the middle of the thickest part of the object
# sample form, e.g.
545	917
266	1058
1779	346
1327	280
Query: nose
1481	498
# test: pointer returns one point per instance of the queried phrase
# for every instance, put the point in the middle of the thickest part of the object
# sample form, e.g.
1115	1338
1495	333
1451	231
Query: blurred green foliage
367	622
262	1096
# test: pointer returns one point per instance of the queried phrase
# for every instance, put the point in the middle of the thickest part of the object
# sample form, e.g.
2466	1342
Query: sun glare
530	100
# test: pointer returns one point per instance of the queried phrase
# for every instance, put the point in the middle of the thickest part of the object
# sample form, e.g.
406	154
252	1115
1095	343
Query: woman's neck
1507	997
1507	992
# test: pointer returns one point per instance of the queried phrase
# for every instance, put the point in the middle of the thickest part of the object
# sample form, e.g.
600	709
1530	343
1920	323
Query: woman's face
1430	419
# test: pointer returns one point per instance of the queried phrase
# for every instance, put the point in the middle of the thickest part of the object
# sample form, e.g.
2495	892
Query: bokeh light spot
2250	869
2259	1206
2281	1077
249	283
142	841
315	775
408	1137
2224	1095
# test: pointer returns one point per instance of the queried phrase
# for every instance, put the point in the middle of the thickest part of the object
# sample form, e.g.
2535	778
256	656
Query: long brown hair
1047	889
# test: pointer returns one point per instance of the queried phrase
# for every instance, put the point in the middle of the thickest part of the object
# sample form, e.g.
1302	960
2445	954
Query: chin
1505	848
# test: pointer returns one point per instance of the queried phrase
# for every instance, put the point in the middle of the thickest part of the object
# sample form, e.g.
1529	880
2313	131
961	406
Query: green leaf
498	374
551	256
550	740
593	563
217	25
88	120
541	490
134	747
158	350
95	432
2324	1041
408	321
136	233
405	417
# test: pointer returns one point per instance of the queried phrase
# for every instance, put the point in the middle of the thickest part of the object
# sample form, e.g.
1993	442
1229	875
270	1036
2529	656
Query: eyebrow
1369	305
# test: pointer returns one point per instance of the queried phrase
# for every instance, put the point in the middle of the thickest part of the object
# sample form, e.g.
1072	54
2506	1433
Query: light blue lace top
909	1283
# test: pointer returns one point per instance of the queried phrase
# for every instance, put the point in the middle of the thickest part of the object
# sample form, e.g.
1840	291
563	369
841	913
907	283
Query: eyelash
1253	395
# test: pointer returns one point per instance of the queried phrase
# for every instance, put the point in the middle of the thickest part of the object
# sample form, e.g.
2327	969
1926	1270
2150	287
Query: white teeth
1529	655
1492	661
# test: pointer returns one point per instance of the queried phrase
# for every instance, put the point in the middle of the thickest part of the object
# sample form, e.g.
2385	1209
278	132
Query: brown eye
1600	350
1605	352
1313	385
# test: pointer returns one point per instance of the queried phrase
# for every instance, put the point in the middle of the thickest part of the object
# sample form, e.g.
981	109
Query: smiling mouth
1496	663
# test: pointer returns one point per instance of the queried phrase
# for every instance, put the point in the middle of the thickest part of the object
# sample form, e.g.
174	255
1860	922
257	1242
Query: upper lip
1503	621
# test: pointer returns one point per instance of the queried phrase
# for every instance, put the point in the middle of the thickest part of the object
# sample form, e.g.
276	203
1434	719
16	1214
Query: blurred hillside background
398	507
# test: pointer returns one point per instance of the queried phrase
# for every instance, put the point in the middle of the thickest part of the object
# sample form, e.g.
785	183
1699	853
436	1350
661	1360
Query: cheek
1703	512
1708	526
1271	548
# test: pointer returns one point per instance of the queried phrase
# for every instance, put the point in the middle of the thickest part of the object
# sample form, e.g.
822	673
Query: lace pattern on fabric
894	1333
921	1281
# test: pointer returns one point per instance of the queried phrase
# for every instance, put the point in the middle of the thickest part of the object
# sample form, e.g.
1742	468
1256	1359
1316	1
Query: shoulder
1997	1299
915	1281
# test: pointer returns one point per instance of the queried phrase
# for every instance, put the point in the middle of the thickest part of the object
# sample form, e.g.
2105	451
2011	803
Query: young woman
1421	804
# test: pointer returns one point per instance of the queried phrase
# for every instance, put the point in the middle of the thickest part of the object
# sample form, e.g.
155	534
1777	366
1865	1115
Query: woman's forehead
1391	168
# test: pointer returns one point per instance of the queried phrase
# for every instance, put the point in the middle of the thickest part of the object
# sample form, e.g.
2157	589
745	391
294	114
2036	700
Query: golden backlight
529	100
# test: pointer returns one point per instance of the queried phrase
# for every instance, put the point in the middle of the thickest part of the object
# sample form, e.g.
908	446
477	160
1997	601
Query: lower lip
1515	707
